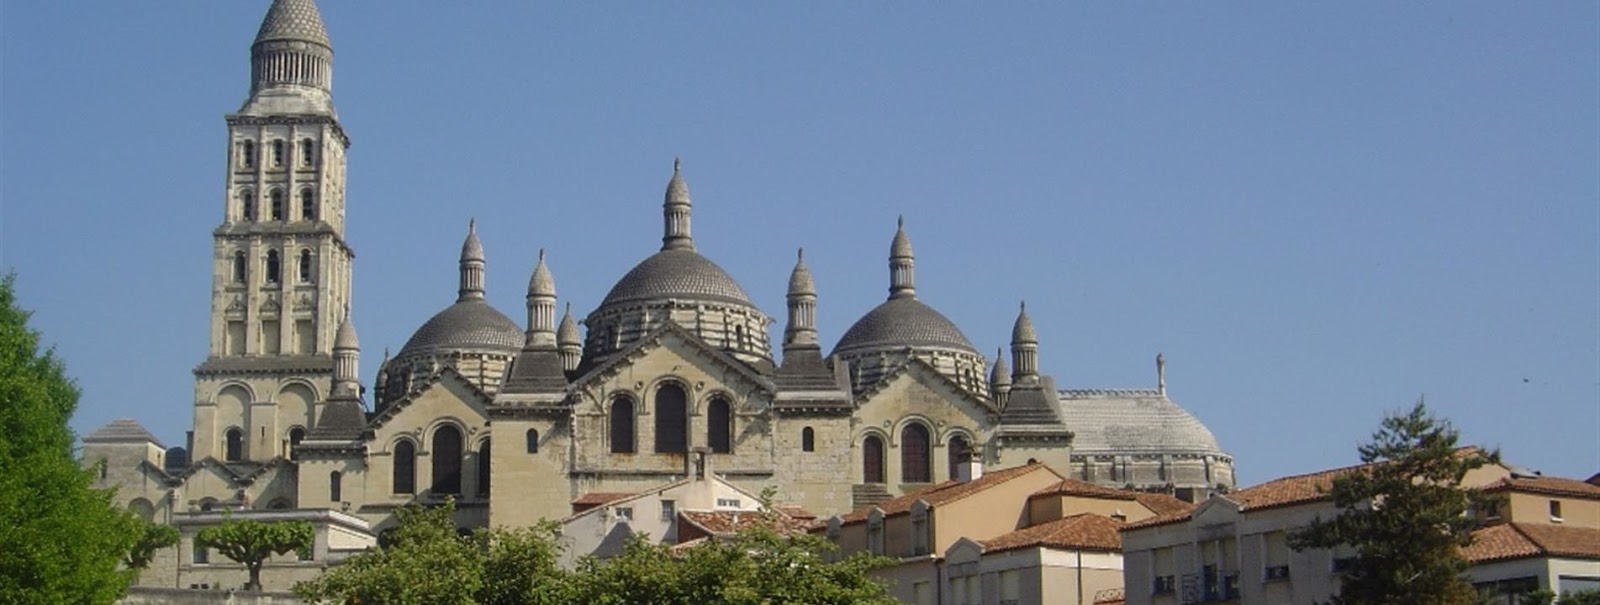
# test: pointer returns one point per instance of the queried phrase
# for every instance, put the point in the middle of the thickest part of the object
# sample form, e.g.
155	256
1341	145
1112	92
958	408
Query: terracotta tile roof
1521	540
796	511
946	492
599	498
1553	486
1287	491
724	523
1074	487
1084	531
1164	505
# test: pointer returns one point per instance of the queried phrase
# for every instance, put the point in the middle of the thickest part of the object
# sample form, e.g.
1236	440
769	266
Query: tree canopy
1405	515
64	540
426	562
250	542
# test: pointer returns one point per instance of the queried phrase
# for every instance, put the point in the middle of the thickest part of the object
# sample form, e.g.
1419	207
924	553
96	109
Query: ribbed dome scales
293	20
676	274
466	325
900	323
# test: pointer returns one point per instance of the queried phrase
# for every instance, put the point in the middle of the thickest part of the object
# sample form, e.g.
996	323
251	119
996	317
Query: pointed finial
677	163
541	254
472	224
1161	373
801	255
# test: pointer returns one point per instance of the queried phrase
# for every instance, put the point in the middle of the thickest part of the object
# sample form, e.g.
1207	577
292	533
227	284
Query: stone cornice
237	119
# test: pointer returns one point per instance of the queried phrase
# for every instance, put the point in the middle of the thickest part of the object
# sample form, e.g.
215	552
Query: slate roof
123	430
1522	540
1033	405
1085	531
536	371
1133	421
293	20
680	274
944	493
903	322
466	325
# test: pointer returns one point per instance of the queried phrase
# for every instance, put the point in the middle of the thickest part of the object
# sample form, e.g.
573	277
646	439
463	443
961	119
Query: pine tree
63	540
1405	514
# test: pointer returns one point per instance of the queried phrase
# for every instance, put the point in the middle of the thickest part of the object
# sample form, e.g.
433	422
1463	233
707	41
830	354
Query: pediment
673	351
921	389
446	393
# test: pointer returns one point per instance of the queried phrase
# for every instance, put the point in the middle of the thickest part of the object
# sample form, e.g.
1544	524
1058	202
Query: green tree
64	540
250	542
423	561
154	537
1405	514
1582	597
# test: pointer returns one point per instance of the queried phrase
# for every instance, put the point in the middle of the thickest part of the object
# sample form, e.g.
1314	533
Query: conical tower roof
346	338
1000	375
1022	332
800	281
542	283
297	20
567	332
472	248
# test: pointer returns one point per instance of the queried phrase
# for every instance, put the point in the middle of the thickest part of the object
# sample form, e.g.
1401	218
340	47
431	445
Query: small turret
802	326
292	49
902	264
1025	348
675	212
381	388
1000	379
541	306
569	341
472	265
1161	374
346	359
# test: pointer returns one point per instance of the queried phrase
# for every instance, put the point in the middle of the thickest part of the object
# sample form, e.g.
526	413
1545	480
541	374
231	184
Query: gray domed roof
800	281
467	325
293	20
1134	421
903	322
676	274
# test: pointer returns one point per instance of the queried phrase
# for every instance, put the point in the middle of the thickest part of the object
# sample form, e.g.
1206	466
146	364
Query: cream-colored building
515	420
1234	548
1018	536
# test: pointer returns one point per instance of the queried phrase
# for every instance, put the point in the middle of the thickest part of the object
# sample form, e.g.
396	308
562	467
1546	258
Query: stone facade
516	420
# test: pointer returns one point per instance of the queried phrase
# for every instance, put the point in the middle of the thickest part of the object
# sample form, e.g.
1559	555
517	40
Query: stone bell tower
281	265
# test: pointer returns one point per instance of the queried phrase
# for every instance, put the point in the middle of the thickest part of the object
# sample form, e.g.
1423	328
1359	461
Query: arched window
959	448
914	467
247	154
808	440
239	267
872	460
296	435
273	267
247	205
672	420
277	153
336	486
143	508
719	426
277	204
233	447
447	460
533	441
405	468
483	469
305	266
308	205
622	419
308	152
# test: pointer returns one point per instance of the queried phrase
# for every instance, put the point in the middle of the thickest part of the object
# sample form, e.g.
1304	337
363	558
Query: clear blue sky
1317	211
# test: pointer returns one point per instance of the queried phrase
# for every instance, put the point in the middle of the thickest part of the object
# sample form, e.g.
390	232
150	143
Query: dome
903	322
295	20
1134	422
676	274
467	325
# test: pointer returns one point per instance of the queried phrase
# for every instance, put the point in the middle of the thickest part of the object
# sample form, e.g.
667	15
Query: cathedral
518	421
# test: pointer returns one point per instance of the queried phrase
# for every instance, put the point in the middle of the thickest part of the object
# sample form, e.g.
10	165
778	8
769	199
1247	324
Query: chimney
970	467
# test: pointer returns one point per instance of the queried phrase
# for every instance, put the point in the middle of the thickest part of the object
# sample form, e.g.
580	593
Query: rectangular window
305	340
233	341
271	339
1010	587
669	510
202	555
1555	510
728	503
625	513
